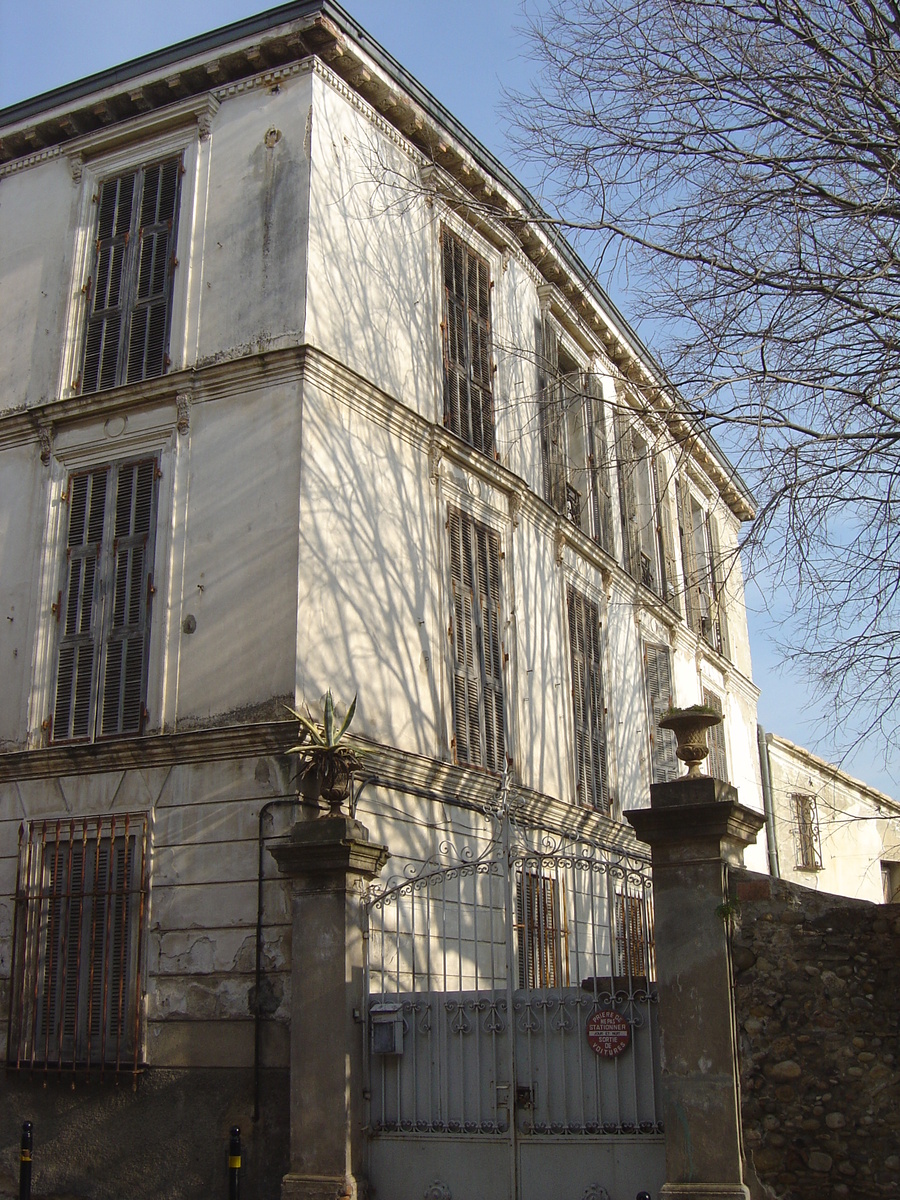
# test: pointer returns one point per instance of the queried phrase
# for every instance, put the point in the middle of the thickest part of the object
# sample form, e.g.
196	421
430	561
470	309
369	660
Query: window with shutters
634	936
541	930
468	366
588	709
81	901
647	531
702	568
479	718
574	445
129	290
658	683
103	603
716	761
806	832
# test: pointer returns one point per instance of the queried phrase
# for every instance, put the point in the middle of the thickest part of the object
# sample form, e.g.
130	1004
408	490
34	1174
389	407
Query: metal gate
487	974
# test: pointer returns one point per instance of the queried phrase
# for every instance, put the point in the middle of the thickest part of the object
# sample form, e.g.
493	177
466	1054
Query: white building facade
297	393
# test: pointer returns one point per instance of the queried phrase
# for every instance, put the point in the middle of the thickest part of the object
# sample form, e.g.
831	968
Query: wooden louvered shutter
468	368
79	607
552	430
627	465
588	701
149	328
658	678
488	579
109	285
599	464
717	572
466	673
717	761
128	628
664	533
688	558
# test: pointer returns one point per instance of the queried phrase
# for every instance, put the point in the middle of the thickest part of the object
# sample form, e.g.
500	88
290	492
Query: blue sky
464	52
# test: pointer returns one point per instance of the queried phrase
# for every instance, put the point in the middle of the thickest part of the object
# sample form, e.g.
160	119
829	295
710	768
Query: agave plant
327	760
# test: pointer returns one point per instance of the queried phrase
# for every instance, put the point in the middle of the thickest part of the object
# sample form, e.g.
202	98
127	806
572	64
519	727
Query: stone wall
817	995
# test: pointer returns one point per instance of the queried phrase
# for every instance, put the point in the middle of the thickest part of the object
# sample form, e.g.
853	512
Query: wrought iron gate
484	975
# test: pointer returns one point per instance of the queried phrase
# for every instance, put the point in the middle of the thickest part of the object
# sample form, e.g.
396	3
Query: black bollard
25	1162
234	1164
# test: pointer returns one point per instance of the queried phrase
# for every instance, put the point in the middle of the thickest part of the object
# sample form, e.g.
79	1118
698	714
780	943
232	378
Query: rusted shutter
130	294
468	366
658	679
626	461
104	607
588	708
478	656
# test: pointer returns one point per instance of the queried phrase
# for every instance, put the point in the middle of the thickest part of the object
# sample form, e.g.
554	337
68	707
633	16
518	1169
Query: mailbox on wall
387	1028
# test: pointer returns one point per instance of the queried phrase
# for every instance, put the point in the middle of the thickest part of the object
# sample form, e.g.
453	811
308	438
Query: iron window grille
479	718
466	329
542	936
806	828
589	711
129	291
81	900
104	601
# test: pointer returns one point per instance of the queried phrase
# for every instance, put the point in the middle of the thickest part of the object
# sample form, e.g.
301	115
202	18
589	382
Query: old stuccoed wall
817	982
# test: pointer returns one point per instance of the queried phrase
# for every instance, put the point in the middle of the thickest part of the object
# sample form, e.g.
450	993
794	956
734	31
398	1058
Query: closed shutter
664	533
718	584
468	367
104	606
478	655
717	761
589	717
627	465
688	558
550	413
130	291
658	678
599	465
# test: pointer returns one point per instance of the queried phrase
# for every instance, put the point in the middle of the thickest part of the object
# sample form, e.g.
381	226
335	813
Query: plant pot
326	777
689	727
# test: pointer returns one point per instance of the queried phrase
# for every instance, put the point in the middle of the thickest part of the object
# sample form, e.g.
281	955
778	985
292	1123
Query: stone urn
689	726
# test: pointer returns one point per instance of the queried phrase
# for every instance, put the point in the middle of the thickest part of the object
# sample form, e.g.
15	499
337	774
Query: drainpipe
768	803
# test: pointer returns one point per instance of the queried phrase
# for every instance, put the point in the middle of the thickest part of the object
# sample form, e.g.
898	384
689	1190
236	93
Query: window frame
664	767
474	340
541	928
54	1023
701	564
590	729
717	759
105	164
807	836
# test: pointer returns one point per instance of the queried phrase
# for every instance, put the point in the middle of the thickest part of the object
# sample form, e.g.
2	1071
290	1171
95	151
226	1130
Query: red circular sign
607	1033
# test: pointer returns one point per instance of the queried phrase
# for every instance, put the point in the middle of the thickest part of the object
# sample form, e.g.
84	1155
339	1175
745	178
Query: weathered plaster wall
816	985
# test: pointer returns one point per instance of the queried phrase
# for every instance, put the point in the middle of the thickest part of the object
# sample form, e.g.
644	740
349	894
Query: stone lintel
319	1187
329	846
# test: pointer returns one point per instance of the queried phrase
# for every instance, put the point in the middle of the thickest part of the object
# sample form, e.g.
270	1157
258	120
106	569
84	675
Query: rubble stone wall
817	995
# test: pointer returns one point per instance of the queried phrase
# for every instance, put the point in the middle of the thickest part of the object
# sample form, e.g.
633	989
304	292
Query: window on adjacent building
574	442
634	936
806	831
658	683
478	654
702	564
716	762
129	292
541	931
589	713
468	369
80	918
103	603
890	880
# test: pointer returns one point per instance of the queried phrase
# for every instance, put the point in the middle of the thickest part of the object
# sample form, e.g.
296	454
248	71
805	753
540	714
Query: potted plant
327	761
689	726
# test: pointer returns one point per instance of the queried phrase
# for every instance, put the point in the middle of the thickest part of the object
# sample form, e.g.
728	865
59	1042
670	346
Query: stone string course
817	995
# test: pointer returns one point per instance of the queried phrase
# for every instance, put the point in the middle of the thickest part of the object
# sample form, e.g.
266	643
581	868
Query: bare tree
744	157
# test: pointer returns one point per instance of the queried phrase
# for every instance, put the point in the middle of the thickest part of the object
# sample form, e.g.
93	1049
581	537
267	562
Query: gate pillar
330	860
697	829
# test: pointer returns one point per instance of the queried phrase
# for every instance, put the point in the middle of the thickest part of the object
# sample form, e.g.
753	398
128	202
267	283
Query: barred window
806	830
103	604
79	923
634	936
468	367
129	292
